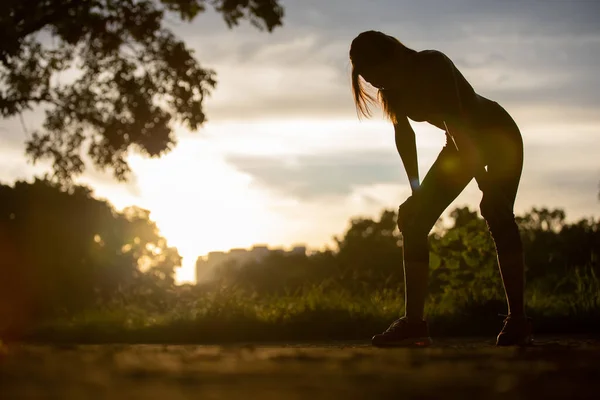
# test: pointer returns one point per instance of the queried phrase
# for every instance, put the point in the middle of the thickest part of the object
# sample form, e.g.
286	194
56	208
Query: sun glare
200	203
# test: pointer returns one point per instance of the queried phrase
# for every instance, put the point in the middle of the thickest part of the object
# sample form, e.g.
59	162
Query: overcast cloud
537	58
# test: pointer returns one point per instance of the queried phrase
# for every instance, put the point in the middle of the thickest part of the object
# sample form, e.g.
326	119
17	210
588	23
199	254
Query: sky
283	158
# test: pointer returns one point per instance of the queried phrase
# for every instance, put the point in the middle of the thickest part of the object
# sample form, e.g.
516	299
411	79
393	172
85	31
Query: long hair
369	48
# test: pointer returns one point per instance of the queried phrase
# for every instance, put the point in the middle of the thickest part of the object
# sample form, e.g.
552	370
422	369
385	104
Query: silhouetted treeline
62	252
71	258
463	259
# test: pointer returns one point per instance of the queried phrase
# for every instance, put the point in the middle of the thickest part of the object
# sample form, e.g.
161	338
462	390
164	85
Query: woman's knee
504	231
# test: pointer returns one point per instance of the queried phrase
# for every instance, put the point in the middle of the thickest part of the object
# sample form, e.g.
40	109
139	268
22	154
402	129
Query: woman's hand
406	212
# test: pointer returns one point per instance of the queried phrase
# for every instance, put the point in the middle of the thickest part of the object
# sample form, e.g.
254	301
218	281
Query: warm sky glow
284	160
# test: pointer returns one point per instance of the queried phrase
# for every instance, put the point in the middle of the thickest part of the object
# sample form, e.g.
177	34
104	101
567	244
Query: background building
206	264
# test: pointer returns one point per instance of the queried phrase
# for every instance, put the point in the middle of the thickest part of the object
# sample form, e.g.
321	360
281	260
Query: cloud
15	165
14	131
524	54
570	167
97	178
538	59
308	176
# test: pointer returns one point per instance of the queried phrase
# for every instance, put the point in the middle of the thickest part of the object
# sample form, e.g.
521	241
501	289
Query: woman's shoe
403	333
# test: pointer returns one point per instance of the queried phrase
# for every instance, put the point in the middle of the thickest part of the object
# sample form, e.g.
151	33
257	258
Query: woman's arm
407	148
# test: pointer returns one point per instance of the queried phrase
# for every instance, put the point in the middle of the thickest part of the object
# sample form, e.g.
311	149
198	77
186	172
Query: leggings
501	145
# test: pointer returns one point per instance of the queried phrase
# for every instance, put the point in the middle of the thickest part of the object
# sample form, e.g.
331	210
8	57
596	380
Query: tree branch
58	7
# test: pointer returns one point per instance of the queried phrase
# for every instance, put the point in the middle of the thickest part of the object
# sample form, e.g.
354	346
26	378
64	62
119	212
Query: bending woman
482	142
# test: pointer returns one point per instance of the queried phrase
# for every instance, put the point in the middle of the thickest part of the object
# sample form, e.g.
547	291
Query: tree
64	251
134	77
463	261
369	254
553	247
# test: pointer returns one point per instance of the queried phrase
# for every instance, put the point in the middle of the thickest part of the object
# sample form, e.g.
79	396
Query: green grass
317	314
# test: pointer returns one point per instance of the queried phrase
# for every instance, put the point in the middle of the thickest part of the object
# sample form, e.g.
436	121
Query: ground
450	369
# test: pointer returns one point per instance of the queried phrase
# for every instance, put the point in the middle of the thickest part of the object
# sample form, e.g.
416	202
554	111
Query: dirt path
451	369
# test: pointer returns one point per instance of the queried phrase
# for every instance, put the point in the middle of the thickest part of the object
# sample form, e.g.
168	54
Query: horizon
282	163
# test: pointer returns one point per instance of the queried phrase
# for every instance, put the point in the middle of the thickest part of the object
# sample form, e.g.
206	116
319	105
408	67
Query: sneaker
404	334
517	331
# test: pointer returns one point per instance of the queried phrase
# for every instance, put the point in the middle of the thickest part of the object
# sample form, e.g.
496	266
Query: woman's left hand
406	212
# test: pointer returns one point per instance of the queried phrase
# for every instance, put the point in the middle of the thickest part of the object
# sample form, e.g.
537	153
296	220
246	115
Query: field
560	367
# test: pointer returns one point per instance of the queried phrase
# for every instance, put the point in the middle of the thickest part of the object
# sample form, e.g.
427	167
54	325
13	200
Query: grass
317	314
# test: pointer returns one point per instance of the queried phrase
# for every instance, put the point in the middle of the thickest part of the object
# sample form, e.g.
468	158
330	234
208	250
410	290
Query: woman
482	142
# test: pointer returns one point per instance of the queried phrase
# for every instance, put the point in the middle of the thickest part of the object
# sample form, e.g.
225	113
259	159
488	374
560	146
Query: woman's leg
505	164
445	180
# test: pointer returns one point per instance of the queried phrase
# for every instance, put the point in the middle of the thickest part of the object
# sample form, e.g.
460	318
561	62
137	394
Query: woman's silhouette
482	142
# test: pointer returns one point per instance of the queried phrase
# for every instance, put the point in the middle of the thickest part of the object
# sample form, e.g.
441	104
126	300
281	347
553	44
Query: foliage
463	262
65	251
109	74
73	263
368	257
